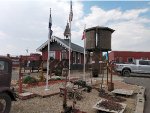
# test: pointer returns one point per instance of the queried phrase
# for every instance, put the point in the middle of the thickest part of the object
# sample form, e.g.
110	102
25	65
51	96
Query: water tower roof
100	28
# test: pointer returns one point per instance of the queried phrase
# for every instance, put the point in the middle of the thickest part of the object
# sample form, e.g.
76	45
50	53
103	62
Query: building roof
64	43
119	51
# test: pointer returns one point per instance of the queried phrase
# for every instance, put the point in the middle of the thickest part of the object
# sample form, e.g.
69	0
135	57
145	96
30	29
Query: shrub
95	72
41	78
58	72
89	88
29	79
83	84
80	83
58	79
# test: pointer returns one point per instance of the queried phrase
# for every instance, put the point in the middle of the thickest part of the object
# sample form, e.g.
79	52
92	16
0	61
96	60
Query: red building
59	49
127	56
31	57
15	61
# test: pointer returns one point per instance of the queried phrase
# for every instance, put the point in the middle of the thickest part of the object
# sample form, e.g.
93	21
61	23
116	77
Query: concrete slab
123	92
40	91
26	95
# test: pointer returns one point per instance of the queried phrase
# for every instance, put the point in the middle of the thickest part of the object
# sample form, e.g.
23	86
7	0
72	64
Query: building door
63	54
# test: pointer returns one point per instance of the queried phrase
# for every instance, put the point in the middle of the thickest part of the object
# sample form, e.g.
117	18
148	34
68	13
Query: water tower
98	40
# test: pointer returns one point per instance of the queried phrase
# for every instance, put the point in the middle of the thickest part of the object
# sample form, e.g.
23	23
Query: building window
117	59
130	60
144	58
79	58
120	60
74	57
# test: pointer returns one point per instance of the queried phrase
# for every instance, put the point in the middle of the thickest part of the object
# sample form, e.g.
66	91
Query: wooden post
102	76
110	84
107	66
91	75
111	74
42	76
107	72
42	70
65	73
65	95
20	80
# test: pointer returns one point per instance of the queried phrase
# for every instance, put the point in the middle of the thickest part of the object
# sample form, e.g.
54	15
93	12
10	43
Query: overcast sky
24	23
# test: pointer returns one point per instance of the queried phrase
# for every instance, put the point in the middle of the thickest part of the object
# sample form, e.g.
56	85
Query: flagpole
70	19
84	55
70	51
48	59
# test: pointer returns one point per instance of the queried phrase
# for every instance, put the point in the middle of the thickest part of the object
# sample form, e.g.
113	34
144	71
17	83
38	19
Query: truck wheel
126	72
5	103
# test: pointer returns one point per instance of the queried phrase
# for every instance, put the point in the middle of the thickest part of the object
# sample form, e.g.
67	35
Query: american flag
50	25
27	50
84	35
71	12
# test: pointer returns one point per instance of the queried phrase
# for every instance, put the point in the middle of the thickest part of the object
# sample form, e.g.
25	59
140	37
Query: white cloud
131	30
2	35
133	14
25	23
130	36
101	17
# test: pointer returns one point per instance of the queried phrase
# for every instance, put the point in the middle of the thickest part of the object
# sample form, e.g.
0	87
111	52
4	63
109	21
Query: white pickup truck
138	66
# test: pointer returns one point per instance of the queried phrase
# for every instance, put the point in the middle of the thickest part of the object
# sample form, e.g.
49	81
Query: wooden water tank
98	38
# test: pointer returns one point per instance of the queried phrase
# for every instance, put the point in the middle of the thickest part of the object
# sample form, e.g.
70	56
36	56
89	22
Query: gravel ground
53	104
